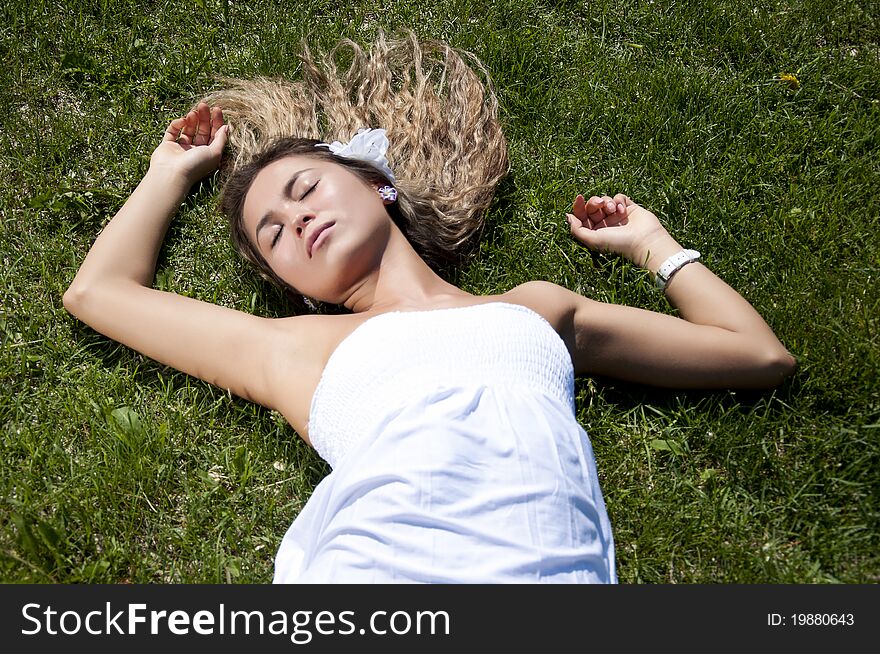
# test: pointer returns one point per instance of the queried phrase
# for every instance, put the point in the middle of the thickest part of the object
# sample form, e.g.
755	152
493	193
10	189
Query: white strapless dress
456	457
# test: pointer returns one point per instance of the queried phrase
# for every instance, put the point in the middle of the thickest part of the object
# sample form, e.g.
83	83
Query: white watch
673	264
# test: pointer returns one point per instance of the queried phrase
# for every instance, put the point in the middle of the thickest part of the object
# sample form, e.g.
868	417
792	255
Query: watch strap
673	264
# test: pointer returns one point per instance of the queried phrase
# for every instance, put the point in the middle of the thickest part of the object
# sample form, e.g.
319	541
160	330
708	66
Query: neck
401	281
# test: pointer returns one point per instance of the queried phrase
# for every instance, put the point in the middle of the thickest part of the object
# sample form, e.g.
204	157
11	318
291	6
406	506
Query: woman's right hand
192	145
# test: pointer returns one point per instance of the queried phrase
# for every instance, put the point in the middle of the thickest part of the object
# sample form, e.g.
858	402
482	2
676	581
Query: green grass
116	468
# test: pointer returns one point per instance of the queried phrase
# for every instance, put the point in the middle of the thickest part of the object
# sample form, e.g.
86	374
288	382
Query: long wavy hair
437	105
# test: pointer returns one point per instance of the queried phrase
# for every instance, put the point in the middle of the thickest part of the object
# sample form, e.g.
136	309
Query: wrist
651	254
672	265
170	179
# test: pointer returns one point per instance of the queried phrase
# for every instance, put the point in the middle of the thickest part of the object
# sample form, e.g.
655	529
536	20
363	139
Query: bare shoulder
555	303
582	323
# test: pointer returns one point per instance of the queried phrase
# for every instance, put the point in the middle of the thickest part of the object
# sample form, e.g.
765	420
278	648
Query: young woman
447	418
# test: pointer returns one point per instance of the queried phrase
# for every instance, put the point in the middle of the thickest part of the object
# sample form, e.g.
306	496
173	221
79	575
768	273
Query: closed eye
309	190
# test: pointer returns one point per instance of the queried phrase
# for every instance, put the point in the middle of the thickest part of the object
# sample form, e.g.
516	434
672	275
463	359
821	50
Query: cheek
286	267
299	274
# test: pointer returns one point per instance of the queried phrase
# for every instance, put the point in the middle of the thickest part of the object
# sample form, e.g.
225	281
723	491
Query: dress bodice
393	358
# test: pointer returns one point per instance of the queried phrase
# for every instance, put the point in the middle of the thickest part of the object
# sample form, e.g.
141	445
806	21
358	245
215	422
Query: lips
315	233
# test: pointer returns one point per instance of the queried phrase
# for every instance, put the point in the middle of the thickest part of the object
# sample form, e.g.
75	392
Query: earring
388	193
310	304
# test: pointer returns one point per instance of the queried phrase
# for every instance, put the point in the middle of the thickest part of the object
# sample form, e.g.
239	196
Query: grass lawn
753	132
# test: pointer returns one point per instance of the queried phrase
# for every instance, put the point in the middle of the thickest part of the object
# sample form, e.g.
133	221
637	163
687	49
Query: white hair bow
369	145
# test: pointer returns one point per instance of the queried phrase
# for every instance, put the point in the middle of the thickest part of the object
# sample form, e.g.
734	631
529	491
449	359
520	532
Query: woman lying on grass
448	418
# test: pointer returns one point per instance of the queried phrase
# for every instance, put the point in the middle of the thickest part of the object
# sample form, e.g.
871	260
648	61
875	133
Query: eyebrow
287	193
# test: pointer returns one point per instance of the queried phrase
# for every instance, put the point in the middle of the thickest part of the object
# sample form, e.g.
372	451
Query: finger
595	222
594	204
218	142
203	126
622	203
582	233
173	130
608	204
576	225
216	120
190	126
601	207
577	222
595	210
578	208
596	215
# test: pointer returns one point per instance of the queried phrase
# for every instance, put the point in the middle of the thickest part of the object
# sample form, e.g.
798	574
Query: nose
301	219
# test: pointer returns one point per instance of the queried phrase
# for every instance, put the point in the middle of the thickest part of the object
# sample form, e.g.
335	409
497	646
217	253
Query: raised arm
112	290
720	341
127	248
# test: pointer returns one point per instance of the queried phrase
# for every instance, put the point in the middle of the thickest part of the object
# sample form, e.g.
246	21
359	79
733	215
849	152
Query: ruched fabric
456	457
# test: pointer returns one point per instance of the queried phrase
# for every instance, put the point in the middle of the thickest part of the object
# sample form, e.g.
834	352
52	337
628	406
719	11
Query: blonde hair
447	148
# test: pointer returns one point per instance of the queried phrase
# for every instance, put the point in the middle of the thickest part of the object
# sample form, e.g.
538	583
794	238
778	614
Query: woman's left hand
617	225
